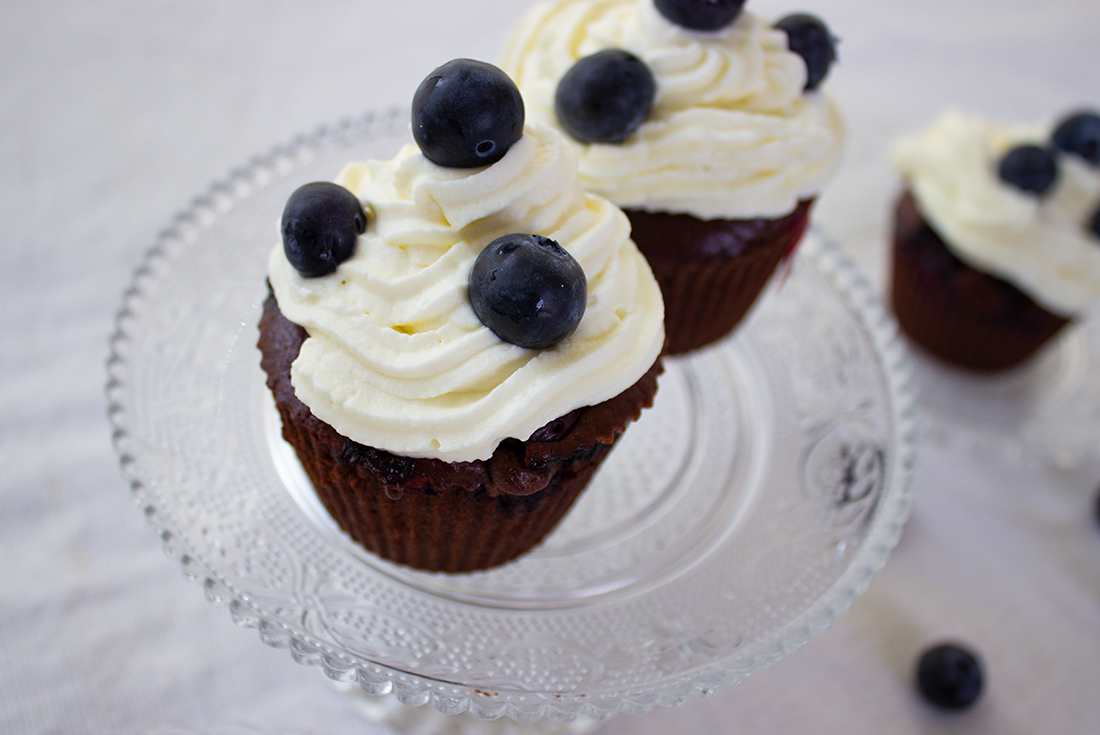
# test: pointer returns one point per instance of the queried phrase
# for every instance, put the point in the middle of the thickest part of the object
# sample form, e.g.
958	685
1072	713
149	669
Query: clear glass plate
735	520
1045	411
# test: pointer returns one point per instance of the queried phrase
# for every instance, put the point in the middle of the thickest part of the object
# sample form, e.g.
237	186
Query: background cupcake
701	122
453	360
997	236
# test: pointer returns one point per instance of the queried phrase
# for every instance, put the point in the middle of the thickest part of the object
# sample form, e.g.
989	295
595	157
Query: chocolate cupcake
706	123
996	245
458	336
445	516
711	271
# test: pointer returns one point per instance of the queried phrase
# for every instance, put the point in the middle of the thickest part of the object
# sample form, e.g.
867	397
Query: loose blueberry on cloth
950	676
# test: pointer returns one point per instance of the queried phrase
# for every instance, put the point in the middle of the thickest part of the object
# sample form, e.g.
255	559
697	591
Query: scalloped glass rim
1046	411
124	388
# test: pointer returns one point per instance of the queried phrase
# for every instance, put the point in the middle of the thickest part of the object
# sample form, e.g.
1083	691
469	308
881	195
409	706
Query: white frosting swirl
396	358
731	134
1041	244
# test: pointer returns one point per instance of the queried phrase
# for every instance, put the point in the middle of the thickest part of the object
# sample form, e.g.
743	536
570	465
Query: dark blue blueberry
1029	168
700	15
604	97
1079	133
321	222
1094	222
949	676
466	114
809	37
528	290
557	428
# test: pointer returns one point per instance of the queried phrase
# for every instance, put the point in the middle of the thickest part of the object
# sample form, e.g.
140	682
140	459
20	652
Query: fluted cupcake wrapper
712	271
704	300
436	515
955	312
445	528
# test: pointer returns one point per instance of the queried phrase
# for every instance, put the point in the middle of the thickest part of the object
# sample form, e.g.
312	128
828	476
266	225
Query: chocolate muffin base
711	271
445	516
959	314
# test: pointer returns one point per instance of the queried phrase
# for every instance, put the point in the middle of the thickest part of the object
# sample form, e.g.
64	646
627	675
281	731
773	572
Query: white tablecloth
114	114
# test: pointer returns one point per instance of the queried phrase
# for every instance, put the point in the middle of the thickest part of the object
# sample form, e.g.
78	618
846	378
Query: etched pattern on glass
737	518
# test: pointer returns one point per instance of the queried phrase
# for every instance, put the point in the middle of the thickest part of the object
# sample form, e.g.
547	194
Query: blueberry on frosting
1079	134
529	290
700	15
321	223
605	97
809	37
466	114
1030	168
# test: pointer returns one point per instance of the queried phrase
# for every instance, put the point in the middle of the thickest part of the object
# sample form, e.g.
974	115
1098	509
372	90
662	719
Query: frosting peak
396	357
731	134
1041	244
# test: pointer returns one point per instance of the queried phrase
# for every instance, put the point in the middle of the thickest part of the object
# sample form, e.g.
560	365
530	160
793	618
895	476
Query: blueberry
604	97
949	676
1029	168
809	37
528	290
1079	133
556	428
700	15
1094	222
321	222
466	114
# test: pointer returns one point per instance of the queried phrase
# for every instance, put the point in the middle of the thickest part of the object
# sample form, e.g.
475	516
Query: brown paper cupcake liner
438	528
712	271
445	516
955	312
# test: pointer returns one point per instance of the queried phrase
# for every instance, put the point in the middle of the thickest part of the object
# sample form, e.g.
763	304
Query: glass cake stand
1046	411
739	517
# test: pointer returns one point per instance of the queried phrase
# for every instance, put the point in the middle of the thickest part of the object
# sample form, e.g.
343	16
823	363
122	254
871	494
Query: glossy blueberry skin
1079	134
466	114
528	290
950	676
809	37
1030	168
700	15
320	225
604	97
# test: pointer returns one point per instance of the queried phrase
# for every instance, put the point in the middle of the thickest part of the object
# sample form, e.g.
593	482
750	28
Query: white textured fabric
114	114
